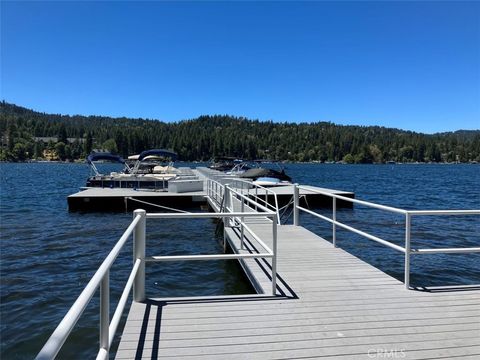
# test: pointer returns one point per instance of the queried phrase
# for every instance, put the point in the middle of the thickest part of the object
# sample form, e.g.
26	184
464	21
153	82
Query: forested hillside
27	134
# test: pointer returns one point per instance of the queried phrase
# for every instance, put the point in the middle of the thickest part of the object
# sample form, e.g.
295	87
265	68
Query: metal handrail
268	192
443	212
352	229
251	201
270	252
122	302
100	278
216	190
407	250
136	279
267	213
354	201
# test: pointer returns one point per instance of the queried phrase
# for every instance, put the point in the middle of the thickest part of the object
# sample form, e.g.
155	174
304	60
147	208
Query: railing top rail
443	212
391	208
267	213
58	337
356	201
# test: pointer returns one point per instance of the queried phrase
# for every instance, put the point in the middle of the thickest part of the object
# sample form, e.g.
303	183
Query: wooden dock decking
329	304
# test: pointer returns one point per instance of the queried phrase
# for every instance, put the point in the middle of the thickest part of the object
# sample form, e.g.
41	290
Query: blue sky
409	65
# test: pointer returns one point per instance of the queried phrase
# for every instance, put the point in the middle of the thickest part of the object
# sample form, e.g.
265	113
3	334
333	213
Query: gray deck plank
125	192
438	348
313	330
340	307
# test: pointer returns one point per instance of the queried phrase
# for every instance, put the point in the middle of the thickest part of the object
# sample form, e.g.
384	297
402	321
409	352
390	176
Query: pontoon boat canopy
159	153
104	156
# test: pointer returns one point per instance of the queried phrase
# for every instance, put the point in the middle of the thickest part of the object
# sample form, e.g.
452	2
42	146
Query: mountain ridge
209	135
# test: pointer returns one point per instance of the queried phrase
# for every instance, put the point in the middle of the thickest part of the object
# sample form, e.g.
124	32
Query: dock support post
296	220
334	218
408	225
105	313
274	258
139	253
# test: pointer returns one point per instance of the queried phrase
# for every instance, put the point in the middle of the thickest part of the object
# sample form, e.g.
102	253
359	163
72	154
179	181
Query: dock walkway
329	304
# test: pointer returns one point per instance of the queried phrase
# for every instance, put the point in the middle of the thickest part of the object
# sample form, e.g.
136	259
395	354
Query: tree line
27	134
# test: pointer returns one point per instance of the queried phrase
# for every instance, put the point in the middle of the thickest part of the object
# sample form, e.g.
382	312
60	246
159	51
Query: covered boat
151	169
155	161
223	163
265	176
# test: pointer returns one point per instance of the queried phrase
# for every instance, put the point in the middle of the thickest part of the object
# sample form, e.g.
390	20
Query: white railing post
408	225
296	214
242	219
216	193
139	253
334	218
226	196
274	258
105	312
277	209
226	202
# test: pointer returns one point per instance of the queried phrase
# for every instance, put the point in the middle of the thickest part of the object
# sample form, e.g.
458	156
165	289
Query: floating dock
127	199
329	304
106	199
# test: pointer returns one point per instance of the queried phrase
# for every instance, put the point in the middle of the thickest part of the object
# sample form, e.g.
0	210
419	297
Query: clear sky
409	65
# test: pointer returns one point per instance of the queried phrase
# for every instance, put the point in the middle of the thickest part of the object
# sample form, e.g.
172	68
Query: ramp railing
258	195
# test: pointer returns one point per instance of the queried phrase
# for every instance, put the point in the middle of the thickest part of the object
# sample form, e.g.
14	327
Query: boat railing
136	279
158	185
406	249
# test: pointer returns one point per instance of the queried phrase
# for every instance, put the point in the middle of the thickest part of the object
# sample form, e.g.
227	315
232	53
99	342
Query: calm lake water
48	254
